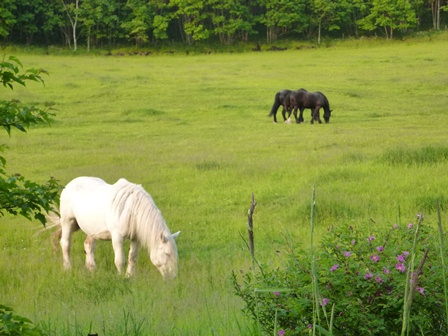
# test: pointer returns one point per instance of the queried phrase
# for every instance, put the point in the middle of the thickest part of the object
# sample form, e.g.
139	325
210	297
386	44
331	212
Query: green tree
326	17
194	18
137	27
390	15
232	20
101	21
7	18
19	196
284	16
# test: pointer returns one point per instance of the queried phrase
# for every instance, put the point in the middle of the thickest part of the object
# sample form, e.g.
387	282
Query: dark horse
302	99
281	98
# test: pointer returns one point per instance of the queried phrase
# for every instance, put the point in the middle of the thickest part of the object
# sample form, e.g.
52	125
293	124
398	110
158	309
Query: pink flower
378	279
347	254
368	276
410	225
334	267
380	248
400	267
421	290
281	332
401	258
371	238
405	253
386	271
375	258
353	242
395	226
276	293
324	302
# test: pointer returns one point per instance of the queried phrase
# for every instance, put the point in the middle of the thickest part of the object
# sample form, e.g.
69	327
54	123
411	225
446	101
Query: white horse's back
87	201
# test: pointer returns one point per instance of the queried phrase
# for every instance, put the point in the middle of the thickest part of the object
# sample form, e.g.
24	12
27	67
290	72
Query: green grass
193	130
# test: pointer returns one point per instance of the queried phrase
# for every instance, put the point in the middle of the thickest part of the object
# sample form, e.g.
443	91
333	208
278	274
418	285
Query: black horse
282	98
302	99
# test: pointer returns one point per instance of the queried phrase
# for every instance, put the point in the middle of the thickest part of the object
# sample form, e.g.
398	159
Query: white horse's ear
175	235
163	238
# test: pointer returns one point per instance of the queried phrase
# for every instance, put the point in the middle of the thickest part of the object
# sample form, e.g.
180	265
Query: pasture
194	131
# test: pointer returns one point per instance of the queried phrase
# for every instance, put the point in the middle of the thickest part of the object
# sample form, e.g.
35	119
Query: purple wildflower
281	332
347	254
410	225
395	226
368	276
334	267
353	242
276	293
386	271
380	248
375	257
405	253
421	290
400	267
371	238
324	302
378	279
401	258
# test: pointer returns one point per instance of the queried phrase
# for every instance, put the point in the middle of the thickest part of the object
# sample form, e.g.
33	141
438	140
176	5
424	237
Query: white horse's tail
53	221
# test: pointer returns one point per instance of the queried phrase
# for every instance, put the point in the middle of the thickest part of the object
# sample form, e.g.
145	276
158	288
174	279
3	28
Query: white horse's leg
68	226
89	249
66	241
117	243
132	259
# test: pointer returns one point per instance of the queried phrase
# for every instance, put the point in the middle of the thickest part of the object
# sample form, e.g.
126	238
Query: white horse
116	212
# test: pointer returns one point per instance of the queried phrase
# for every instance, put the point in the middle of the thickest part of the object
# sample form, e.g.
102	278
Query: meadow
193	130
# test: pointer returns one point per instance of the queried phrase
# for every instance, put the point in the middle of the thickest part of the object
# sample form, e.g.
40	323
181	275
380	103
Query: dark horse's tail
276	105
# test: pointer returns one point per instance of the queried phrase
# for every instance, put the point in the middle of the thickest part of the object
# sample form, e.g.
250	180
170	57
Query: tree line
108	23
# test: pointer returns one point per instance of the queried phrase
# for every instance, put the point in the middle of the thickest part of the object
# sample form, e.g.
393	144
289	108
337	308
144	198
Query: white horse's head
164	255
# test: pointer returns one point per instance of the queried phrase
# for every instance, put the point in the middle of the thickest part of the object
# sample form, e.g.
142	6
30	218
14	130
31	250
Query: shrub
361	275
15	325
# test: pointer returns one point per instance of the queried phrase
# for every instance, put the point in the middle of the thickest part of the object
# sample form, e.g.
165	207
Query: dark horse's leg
301	116
284	112
316	115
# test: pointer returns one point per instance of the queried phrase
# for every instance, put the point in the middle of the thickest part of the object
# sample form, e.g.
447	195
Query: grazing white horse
116	212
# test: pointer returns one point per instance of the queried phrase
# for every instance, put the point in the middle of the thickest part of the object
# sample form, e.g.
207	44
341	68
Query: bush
361	276
14	325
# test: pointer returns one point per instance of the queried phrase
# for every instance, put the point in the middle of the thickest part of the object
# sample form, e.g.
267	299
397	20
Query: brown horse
281	98
302	99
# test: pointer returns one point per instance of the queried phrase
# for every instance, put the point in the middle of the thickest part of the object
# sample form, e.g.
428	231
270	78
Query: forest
111	23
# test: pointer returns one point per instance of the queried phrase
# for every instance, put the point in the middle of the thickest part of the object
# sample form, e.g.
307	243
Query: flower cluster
361	275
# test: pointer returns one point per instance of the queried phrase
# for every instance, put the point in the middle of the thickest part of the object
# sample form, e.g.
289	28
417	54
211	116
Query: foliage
12	324
361	274
18	195
105	22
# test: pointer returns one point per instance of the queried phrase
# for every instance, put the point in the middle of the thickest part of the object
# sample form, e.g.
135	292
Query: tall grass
193	130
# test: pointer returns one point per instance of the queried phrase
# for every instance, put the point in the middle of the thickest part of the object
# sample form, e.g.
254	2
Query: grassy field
194	131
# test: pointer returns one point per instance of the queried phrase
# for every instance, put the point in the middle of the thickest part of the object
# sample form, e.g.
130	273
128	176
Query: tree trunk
319	30
73	21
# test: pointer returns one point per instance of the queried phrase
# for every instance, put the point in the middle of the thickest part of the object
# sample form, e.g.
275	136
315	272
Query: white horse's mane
133	205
